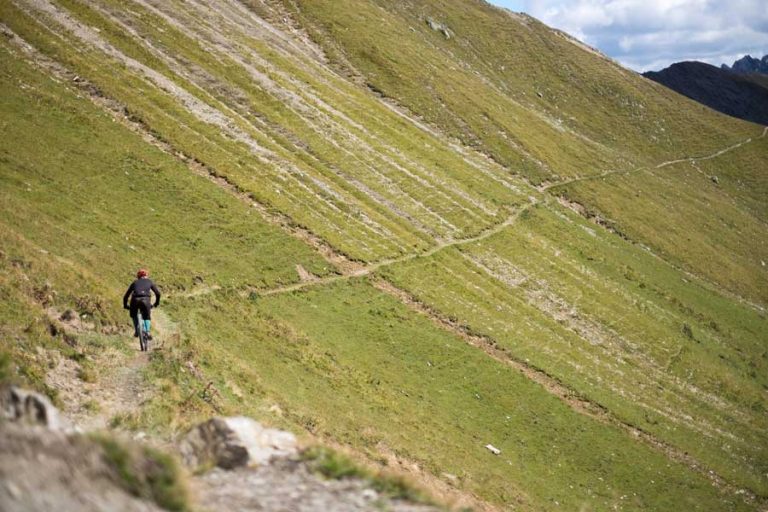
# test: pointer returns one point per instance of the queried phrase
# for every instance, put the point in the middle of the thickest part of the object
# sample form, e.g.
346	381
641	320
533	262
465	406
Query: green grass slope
553	110
280	126
504	82
98	202
704	215
662	353
354	365
352	267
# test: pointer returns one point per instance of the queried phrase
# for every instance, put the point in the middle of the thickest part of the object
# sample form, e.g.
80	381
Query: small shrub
337	466
147	473
86	373
332	464
687	331
92	406
5	366
398	487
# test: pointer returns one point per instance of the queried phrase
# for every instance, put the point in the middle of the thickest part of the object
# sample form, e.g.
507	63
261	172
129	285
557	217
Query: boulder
234	442
439	27
23	406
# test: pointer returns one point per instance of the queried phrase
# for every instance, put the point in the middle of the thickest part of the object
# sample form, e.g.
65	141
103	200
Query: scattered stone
453	479
193	370
30	408
234	442
493	449
304	274
71	320
439	27
69	315
715	180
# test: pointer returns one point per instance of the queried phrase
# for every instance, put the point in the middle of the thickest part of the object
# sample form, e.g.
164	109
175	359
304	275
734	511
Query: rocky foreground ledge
46	464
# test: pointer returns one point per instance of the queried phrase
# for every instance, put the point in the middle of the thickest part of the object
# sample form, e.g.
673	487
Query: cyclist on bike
140	295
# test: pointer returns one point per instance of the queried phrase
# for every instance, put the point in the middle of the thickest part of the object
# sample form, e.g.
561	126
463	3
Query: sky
647	35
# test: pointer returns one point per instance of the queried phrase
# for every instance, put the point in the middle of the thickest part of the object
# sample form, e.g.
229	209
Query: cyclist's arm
157	295
127	295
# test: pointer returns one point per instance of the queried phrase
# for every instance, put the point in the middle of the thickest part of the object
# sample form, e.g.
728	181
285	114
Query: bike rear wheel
143	338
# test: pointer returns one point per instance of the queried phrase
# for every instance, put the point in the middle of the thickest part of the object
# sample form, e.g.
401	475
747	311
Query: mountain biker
140	295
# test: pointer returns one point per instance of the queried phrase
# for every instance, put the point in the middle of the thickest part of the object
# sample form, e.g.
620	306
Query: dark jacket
140	290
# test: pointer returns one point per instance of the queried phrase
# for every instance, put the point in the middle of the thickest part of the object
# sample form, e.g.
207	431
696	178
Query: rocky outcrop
241	465
742	96
234	442
44	471
43	467
29	408
287	484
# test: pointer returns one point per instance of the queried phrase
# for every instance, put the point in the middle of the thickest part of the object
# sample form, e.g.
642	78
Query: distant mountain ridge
732	91
748	64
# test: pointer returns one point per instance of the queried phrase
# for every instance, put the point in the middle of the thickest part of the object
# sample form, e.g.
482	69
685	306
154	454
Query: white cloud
650	34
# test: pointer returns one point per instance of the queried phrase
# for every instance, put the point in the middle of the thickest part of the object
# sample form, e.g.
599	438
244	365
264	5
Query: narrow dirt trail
360	270
365	270
373	267
90	403
110	383
658	166
350	269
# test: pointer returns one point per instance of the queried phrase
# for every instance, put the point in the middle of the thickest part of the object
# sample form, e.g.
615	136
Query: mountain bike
143	334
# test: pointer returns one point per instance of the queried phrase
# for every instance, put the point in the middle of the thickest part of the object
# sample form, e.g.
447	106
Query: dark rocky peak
748	64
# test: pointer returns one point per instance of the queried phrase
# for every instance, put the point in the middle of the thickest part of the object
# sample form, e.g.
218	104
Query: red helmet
142	273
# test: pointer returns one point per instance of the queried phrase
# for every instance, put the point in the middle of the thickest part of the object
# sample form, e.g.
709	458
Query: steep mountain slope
412	242
510	85
737	95
543	105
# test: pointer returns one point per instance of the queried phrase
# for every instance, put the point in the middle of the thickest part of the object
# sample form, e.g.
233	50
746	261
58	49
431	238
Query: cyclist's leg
135	317
146	314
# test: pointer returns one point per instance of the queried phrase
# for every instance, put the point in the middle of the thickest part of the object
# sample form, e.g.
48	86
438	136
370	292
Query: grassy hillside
409	244
98	202
299	140
509	85
552	110
350	363
663	354
704	215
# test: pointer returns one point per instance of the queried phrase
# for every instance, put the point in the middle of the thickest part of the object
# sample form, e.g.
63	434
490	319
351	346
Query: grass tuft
336	466
147	473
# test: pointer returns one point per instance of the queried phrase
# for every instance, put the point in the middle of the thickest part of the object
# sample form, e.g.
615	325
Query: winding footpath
365	270
659	166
